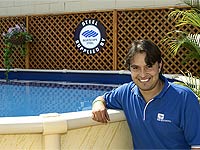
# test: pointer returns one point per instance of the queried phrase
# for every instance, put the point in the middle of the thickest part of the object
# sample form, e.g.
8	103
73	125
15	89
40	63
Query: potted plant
177	39
16	37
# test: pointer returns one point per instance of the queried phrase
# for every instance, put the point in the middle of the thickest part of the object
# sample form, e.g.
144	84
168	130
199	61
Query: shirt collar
165	88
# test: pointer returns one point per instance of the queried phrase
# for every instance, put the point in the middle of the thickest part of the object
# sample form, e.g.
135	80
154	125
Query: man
160	114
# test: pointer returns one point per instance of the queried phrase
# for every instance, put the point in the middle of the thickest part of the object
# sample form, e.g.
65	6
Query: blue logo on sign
89	33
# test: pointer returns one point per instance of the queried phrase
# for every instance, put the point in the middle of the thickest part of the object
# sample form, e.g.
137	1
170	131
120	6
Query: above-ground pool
51	110
35	92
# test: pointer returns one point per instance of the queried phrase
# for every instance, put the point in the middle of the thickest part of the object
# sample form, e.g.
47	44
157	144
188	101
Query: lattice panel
6	23
152	24
54	47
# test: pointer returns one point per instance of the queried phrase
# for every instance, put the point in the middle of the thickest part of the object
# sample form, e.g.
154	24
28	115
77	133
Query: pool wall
75	130
65	131
78	76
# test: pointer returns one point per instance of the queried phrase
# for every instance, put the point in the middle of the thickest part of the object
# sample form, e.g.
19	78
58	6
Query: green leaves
190	81
187	17
176	39
7	59
16	37
189	41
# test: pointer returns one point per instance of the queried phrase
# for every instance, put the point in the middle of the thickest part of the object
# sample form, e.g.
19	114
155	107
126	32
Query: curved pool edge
45	123
73	76
69	71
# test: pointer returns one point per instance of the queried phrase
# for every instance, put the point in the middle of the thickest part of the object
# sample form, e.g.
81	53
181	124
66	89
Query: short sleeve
192	120
114	99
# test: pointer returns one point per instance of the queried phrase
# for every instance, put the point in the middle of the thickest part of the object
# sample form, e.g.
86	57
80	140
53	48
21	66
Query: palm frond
191	82
176	39
195	38
183	39
190	17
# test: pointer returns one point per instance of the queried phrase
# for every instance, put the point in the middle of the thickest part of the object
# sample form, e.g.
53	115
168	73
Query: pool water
26	98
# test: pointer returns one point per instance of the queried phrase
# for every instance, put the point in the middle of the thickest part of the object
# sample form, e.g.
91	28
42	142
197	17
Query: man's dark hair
153	53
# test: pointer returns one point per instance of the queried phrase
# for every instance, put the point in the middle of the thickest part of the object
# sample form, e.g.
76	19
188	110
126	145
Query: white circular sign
90	36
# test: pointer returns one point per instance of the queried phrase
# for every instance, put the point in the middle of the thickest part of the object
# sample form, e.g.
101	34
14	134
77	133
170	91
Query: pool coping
52	123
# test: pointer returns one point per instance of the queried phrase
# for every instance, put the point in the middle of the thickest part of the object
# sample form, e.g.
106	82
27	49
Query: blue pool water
35	98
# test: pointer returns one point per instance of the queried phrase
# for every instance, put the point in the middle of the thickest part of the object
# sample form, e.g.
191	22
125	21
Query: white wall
32	7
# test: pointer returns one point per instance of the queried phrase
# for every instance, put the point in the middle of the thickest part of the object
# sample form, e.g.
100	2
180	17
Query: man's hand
99	111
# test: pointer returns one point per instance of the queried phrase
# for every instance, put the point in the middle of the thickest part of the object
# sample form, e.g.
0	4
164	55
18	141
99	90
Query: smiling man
160	114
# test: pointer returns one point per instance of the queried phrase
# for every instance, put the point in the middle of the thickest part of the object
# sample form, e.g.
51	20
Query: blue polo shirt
171	120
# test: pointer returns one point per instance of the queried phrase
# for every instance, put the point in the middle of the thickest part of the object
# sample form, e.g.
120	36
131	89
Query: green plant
16	37
190	81
178	38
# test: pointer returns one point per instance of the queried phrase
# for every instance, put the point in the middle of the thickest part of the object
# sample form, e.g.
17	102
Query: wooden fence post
115	40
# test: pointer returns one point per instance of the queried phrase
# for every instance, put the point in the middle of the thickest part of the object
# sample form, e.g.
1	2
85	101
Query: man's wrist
98	100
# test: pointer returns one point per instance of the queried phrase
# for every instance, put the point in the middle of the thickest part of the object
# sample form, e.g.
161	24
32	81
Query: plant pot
17	39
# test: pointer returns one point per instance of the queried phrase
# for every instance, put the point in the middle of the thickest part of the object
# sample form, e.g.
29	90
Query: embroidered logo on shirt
161	117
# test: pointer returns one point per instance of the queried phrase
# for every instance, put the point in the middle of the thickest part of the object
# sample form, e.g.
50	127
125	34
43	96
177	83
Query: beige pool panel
111	136
21	142
70	131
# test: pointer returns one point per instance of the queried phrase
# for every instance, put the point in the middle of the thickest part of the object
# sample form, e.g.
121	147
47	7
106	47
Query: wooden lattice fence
54	47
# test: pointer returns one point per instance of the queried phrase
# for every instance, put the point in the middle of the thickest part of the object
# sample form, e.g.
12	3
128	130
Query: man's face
144	76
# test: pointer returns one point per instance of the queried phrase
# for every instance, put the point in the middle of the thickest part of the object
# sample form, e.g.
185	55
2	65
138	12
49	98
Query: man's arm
195	148
99	111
